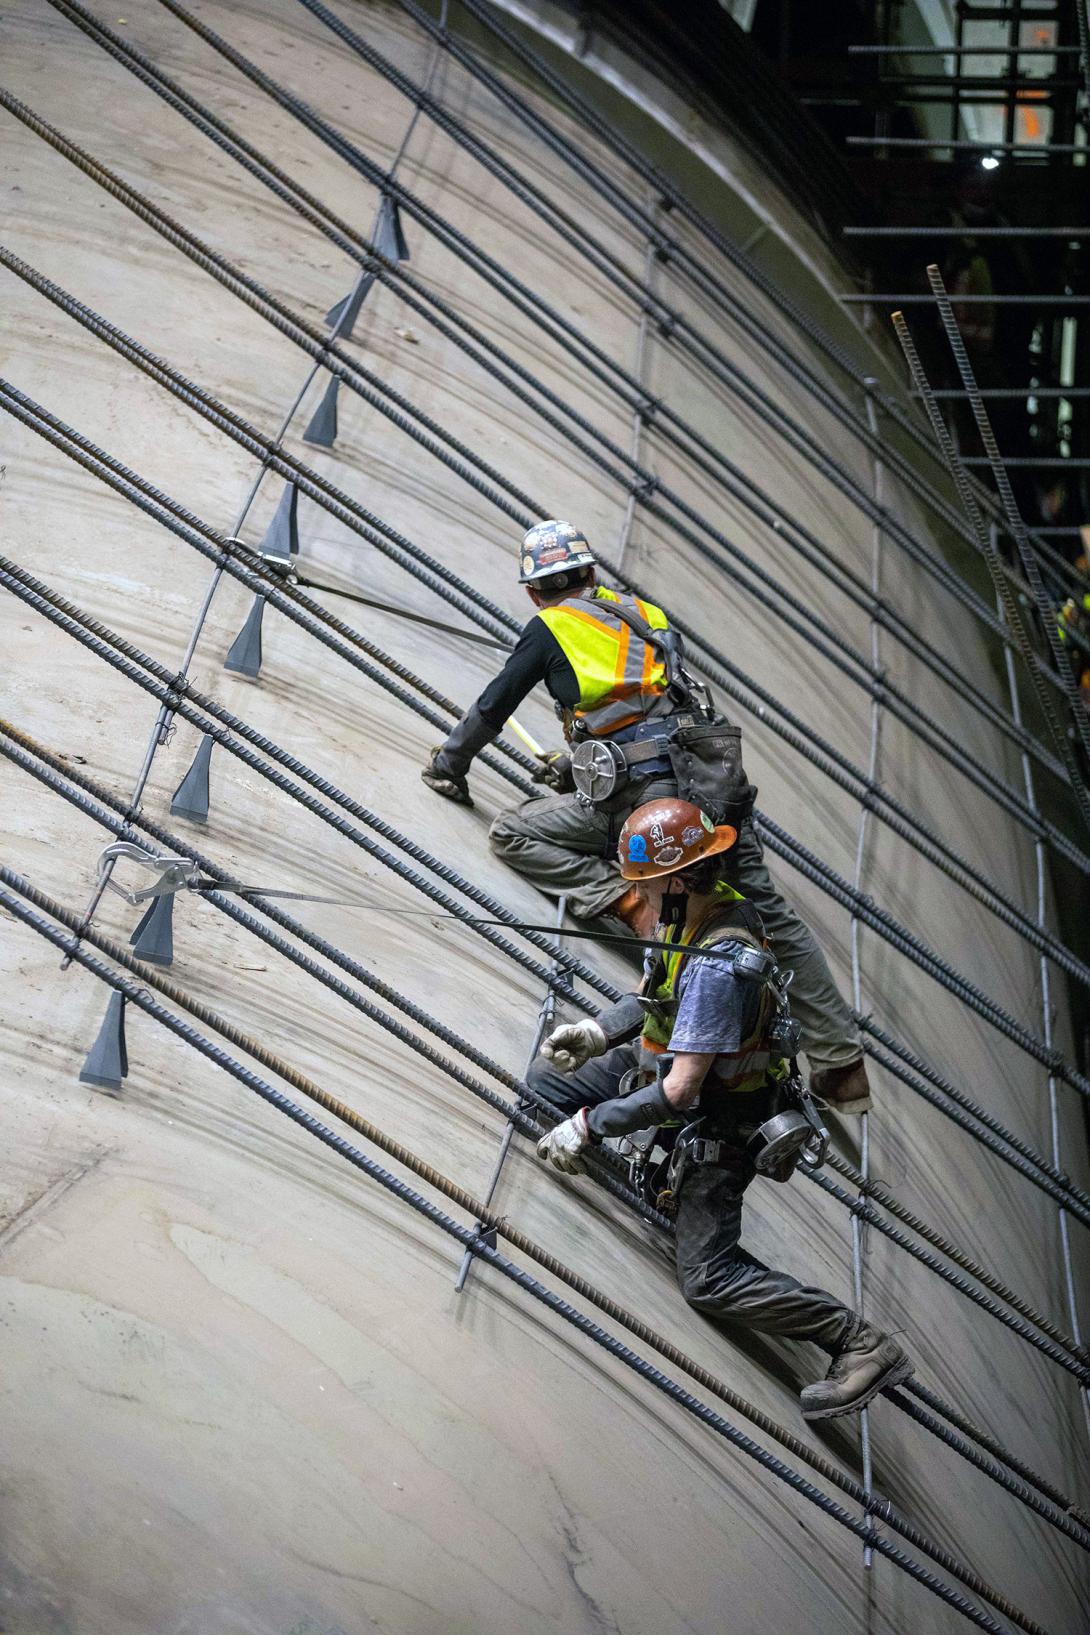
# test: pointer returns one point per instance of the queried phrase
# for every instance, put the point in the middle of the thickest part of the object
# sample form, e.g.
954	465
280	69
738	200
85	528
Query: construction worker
629	709
706	1046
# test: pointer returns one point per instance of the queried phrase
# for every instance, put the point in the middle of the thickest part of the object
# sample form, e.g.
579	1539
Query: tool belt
783	1134
703	756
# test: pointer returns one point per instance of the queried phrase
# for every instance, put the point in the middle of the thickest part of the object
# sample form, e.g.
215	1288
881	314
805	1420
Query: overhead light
989	162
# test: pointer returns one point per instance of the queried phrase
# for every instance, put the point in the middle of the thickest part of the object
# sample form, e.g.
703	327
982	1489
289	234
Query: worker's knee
506	832
716	1292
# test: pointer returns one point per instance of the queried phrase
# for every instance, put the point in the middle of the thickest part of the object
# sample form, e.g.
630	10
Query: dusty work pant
565	847
716	1276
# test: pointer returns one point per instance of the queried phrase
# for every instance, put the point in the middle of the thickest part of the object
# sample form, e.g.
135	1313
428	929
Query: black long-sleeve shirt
537	656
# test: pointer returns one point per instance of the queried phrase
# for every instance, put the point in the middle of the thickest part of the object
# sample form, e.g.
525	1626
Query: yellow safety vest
752	1064
620	677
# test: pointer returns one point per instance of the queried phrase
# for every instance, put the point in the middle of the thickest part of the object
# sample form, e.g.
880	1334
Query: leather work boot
634	911
869	1363
845	1089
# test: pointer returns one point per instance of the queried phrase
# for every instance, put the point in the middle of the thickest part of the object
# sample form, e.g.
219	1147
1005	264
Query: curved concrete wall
242	1395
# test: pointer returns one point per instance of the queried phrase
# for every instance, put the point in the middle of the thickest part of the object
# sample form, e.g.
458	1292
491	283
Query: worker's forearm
681	1086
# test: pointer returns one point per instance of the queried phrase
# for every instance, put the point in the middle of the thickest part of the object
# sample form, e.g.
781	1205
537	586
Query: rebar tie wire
397	547
100	807
400	281
673	199
309	340
669	320
473	1239
836	887
528	301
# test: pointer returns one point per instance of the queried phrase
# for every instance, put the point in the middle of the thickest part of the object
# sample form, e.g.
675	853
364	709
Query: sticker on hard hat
637	849
559	553
527	564
691	835
667	856
707	822
659	836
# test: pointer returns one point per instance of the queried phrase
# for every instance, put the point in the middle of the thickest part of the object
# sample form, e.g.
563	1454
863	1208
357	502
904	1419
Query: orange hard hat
664	836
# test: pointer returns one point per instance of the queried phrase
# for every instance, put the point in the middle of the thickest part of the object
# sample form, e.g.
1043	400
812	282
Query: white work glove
562	1147
574	1043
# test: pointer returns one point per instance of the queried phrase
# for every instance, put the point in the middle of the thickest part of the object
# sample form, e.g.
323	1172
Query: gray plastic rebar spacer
342	317
389	240
107	1061
282	537
322	430
387	234
244	655
153	938
191	796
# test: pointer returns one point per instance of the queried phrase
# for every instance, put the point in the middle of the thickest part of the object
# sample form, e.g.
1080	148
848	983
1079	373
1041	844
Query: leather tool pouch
707	762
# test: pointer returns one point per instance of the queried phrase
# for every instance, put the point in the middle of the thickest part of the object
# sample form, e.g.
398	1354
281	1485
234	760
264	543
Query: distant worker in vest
637	727
696	1072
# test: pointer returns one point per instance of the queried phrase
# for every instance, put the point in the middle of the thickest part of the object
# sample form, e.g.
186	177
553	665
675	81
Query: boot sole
895	1374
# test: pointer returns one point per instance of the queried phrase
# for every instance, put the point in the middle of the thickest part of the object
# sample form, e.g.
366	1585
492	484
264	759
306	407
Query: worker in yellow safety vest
638	727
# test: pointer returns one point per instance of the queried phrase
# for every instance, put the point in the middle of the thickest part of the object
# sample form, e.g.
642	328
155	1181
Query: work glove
554	770
563	1145
572	1044
452	786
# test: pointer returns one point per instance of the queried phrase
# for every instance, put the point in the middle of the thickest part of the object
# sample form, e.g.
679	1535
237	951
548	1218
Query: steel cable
472	1238
216	724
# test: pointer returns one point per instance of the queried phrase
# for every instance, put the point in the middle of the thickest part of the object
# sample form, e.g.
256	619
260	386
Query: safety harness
787	1130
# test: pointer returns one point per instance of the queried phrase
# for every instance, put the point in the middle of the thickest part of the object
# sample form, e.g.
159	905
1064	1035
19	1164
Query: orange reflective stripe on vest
620	677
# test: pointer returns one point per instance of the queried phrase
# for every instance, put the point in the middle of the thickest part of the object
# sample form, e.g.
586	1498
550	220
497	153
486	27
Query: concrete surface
241	1395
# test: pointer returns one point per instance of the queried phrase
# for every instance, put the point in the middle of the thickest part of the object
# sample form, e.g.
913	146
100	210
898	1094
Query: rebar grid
876	704
22	889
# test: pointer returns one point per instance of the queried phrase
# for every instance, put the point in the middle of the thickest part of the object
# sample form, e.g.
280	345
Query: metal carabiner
174	873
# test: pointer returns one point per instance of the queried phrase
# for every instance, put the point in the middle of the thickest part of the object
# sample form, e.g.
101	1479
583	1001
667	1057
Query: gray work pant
716	1276
565	847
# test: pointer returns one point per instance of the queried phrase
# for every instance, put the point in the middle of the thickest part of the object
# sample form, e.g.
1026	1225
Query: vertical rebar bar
544	1021
858	1230
161	730
1046	1020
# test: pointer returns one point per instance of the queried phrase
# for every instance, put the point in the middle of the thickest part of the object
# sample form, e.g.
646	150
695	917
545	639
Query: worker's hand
563	1146
450	785
574	1043
554	769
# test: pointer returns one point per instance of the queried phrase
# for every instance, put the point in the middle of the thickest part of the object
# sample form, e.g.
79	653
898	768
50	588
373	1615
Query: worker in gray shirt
704	1056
